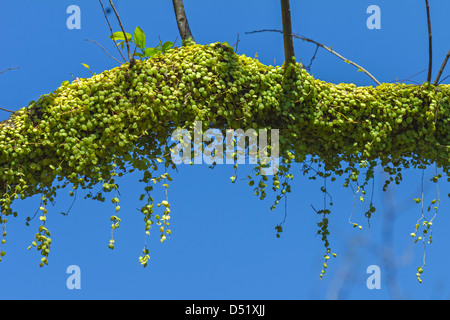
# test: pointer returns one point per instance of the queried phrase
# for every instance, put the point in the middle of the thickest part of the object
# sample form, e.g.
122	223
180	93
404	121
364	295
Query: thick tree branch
182	21
430	43
289	53
436	81
329	49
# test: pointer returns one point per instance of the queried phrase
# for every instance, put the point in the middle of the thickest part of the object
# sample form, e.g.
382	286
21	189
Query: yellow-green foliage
89	131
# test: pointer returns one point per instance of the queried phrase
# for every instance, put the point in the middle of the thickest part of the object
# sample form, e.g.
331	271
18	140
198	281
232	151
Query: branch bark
436	81
430	42
289	53
182	21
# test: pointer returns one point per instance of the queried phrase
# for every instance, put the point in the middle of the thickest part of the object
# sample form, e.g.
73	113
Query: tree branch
289	53
436	82
430	47
329	49
182	21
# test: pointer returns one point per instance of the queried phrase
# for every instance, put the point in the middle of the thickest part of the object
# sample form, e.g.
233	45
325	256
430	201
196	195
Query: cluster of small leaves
360	188
422	229
139	39
125	116
325	264
324	233
147	211
163	221
42	241
5	206
114	218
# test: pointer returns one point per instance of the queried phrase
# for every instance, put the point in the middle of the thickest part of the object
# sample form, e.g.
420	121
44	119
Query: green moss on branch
125	117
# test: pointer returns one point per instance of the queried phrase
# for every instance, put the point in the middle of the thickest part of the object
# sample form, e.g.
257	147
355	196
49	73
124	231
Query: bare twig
175	41
443	79
182	21
329	49
9	69
103	49
236	44
130	58
3	109
436	82
408	79
110	29
7	110
289	53
308	68
430	43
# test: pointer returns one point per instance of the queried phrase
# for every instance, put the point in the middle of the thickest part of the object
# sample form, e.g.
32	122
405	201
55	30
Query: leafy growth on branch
92	131
139	39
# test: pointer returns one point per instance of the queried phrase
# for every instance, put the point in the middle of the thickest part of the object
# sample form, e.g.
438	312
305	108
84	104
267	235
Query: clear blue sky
223	243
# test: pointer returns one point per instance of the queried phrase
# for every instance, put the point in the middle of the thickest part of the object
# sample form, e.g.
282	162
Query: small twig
103	49
9	69
110	29
407	79
75	79
443	79
295	35
3	109
442	69
130	59
308	68
430	43
175	41
236	44
70	208
7	110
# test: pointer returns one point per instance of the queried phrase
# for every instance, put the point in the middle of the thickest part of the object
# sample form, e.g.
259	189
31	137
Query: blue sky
223	243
